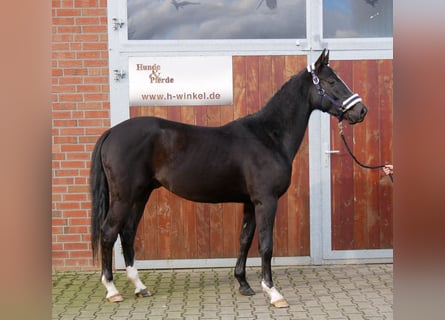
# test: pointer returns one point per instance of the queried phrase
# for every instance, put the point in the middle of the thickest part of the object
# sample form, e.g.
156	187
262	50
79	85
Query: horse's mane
278	111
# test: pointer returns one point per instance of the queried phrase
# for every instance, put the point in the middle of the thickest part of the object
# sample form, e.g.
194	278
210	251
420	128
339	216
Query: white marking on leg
276	298
109	285
133	276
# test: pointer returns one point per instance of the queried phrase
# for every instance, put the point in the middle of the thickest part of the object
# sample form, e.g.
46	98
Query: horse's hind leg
246	236
128	234
109	231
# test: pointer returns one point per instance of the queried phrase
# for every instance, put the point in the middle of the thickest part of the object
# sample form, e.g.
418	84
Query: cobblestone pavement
314	292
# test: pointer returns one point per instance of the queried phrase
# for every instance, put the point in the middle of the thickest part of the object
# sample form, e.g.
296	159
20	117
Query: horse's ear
326	57
322	59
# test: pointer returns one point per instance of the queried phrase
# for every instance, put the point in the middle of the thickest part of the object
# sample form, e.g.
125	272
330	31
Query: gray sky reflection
216	19
354	18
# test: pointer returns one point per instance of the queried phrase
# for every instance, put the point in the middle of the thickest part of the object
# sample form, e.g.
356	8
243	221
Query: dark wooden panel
362	198
174	228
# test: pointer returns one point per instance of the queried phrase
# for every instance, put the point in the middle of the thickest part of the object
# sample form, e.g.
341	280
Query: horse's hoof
281	303
144	293
115	298
247	291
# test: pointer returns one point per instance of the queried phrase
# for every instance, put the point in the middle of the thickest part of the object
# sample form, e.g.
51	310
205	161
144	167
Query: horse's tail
99	193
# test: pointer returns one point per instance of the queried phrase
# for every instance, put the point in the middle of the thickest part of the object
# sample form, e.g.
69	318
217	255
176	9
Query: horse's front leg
265	216
246	236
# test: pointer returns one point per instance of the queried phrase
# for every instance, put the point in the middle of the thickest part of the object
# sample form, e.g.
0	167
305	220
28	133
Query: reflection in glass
216	19
357	18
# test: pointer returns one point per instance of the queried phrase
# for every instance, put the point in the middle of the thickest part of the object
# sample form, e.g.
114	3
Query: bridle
342	107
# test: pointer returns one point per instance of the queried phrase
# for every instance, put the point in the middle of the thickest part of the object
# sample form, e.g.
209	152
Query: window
357	18
216	19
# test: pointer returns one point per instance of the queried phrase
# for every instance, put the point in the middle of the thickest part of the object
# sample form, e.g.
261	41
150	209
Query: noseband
342	107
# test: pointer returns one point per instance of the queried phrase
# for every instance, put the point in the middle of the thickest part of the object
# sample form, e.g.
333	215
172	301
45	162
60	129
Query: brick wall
80	113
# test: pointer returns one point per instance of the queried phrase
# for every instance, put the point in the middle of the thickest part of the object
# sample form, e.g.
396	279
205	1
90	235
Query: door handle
332	151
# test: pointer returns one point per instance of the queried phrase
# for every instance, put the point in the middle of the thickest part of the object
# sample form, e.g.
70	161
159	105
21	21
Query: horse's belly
206	187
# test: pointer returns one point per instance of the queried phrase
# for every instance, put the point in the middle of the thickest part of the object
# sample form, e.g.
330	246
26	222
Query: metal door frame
319	125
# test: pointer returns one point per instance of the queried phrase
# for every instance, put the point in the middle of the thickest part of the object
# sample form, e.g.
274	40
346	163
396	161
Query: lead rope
340	126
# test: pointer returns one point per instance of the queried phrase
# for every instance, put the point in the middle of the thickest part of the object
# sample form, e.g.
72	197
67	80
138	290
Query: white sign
169	81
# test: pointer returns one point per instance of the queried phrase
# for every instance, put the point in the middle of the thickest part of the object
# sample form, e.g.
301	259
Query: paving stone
354	292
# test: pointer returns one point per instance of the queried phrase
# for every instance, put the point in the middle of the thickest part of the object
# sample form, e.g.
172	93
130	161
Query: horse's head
330	94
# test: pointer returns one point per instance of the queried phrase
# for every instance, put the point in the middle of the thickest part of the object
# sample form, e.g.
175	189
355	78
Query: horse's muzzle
356	114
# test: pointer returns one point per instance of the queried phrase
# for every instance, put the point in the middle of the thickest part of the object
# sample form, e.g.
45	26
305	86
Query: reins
340	126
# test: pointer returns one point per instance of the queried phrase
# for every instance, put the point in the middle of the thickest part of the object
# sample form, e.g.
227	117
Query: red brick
60	89
91	105
93	131
70	80
68	205
69	29
67	173
90	139
68	12
78	156
59	188
85	3
88	55
63	106
61	114
56	246
75	72
80	221
91	123
80	254
59	222
77	214
97	12
63	180
94	29
96	97
73	147
87	20
60	46
96	79
94	46
69	139
86	205
68	238
76	246
73	164
71	97
60	254
63	21
81	180
72	131
86	37
89	88
63	55
75	229
57	72
95	63
70	63
78	189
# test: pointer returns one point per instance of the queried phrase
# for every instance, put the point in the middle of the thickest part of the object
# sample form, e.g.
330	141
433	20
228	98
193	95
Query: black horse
247	161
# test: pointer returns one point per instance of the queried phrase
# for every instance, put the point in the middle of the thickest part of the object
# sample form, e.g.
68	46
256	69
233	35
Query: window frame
314	39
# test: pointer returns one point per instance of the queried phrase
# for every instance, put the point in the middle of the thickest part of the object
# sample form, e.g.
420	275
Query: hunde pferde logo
155	75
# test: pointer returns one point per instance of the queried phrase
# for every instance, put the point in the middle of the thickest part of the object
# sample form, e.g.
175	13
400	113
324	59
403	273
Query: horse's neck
286	115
